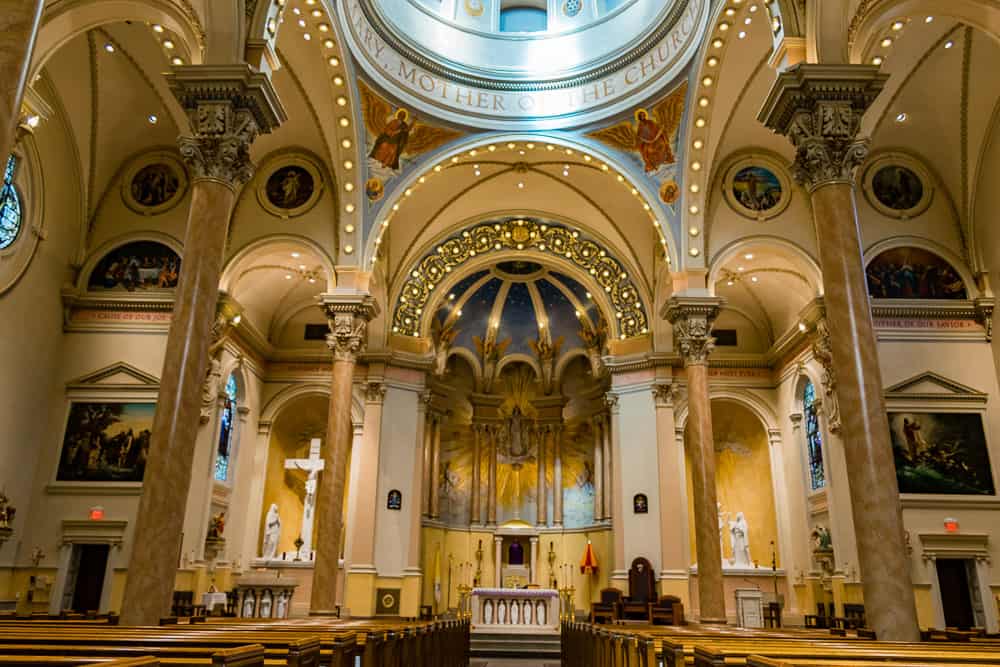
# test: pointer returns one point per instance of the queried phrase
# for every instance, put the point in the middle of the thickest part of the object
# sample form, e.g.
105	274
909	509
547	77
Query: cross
312	465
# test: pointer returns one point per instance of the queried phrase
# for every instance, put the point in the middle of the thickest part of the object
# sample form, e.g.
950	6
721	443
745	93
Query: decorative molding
819	109
348	317
666	394
93	532
143	380
952	390
938	502
955	545
90	489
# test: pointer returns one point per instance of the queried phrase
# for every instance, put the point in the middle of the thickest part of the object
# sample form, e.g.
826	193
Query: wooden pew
761	661
729	654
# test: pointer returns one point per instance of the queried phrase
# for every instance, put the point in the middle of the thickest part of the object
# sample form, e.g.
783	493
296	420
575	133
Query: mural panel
106	442
139	265
913	273
941	453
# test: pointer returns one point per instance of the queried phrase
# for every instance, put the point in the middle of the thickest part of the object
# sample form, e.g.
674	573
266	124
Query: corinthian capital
347	317
692	319
227	107
819	108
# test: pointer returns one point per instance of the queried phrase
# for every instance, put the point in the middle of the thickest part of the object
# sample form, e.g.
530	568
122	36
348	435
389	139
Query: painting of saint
154	185
897	187
941	453
290	187
652	134
140	265
756	188
394	136
106	442
913	273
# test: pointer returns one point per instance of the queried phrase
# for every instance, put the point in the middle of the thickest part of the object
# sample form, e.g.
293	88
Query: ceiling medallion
757	187
521	235
292	186
897	186
154	183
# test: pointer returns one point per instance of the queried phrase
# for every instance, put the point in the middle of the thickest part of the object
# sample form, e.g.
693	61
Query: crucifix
312	465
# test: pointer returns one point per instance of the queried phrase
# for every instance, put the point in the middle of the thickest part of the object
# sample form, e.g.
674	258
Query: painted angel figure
652	132
396	132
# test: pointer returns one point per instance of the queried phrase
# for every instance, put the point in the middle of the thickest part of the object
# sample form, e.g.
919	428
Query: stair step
498	645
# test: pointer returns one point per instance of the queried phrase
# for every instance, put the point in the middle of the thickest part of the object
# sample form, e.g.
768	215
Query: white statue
272	532
312	466
282	606
740	540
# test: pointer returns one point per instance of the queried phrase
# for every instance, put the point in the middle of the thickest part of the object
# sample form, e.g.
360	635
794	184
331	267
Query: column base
359	593
713	621
323	612
409	596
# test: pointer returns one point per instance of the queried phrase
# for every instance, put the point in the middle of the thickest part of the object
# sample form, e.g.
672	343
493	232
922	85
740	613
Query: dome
516	304
524	63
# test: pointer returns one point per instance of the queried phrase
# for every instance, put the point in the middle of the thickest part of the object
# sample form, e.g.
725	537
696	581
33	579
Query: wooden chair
641	592
854	614
183	604
606	611
668	609
772	615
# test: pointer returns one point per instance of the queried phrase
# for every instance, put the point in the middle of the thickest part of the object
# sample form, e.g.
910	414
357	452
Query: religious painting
154	183
640	504
897	187
292	187
289	187
942	453
106	442
139	265
394	500
394	138
757	187
649	137
913	273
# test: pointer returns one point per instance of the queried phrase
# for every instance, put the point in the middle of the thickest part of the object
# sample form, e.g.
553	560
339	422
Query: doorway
85	576
956	593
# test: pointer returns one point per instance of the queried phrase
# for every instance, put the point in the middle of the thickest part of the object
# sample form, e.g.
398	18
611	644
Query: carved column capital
228	106
665	394
374	392
692	319
347	316
819	108
611	402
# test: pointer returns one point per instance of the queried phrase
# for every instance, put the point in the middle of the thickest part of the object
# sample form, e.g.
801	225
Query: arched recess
579	152
622	302
247	252
956	262
808	263
99	253
276	403
61	22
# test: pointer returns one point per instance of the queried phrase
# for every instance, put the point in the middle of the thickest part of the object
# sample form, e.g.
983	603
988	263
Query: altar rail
515	610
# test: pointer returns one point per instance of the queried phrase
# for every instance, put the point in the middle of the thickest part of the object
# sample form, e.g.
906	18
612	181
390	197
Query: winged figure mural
652	132
394	132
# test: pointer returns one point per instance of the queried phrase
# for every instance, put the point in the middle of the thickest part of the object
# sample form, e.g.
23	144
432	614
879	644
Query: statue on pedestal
272	531
740	540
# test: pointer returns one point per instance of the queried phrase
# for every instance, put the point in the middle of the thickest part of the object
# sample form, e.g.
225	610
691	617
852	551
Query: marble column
477	438
606	455
819	108
497	560
228	106
435	495
692	319
19	21
542	517
557	483
596	423
491	491
425	496
347	315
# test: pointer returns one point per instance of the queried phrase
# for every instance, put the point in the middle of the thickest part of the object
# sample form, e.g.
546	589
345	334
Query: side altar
515	610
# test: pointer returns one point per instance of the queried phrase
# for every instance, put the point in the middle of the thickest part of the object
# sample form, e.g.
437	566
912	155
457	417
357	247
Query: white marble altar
515	610
749	608
264	595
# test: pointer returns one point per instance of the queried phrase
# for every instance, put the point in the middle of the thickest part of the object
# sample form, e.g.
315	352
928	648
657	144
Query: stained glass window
814	441
226	429
10	206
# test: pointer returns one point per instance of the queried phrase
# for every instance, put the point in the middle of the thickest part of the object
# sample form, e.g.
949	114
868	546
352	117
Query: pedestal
749	608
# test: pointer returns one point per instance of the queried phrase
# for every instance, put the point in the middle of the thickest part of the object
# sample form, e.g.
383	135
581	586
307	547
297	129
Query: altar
515	610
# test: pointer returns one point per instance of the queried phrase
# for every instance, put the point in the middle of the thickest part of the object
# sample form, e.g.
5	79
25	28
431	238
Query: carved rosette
692	319
819	108
227	107
823	352
348	320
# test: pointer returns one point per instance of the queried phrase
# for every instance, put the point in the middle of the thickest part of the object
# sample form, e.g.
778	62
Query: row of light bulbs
895	32
522	149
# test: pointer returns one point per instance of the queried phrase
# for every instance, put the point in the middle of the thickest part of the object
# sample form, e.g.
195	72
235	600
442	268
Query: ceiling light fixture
949	44
152	119
109	47
877	60
901	117
176	61
157	27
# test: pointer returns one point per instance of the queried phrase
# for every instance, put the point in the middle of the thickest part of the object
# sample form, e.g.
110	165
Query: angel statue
396	132
443	334
652	133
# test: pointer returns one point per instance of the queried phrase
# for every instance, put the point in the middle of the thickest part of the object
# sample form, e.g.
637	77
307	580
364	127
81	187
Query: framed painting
105	442
139	265
897	185
941	453
908	272
757	187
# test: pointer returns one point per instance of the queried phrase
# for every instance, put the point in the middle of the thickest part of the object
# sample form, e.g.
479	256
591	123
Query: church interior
598	333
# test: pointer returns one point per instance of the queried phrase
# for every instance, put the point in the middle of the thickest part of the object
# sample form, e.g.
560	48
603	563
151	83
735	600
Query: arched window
814	441
10	206
226	428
